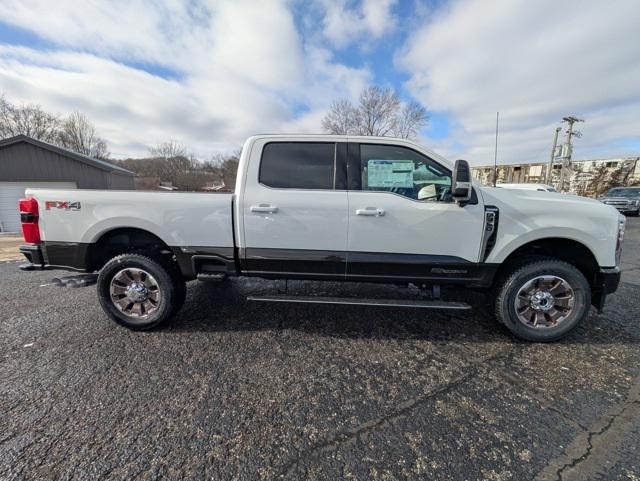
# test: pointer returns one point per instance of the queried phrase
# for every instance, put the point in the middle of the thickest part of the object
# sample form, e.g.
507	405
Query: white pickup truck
337	208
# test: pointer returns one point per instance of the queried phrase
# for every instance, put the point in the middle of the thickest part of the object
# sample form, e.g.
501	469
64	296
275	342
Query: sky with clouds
209	73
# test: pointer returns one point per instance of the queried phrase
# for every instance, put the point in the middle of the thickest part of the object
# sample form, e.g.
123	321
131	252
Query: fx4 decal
58	204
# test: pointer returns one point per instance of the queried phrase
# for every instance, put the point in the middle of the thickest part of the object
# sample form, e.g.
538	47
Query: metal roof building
27	162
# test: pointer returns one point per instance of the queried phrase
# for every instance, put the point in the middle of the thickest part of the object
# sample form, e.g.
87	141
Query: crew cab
337	208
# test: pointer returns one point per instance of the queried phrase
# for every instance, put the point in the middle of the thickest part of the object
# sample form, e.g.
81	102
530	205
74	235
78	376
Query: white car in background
538	187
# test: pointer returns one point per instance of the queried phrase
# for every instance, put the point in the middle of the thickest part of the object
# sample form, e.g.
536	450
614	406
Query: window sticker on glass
390	173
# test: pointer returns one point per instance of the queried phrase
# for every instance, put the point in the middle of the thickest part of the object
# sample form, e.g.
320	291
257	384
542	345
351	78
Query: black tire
167	290
525	274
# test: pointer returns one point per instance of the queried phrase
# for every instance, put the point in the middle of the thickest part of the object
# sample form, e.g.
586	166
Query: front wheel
139	292
543	300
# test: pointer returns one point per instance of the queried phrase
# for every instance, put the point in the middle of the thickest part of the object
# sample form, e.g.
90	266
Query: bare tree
410	120
171	162
168	150
74	132
187	173
379	112
77	133
27	119
622	175
599	183
341	118
226	167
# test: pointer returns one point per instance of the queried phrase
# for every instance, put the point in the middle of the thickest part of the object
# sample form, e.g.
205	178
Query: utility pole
547	177
566	158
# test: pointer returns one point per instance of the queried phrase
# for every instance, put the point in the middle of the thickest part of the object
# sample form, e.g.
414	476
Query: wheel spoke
554	316
557	288
118	289
525	310
148	305
563	301
122	302
135	309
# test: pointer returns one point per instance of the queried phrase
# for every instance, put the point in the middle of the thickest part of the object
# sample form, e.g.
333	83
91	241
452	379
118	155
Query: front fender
527	216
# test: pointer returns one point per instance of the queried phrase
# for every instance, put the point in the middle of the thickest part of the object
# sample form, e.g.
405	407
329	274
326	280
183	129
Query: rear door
403	222
294	210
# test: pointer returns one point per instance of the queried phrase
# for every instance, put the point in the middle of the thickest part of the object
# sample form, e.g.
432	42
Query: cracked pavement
238	390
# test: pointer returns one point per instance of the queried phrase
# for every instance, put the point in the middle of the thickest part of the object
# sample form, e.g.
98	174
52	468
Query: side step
354	301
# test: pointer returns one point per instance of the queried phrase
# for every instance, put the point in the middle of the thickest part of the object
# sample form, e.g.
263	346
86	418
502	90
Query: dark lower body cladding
335	266
606	282
314	264
63	255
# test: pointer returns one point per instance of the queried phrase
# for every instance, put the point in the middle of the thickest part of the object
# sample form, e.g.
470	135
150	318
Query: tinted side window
298	165
405	172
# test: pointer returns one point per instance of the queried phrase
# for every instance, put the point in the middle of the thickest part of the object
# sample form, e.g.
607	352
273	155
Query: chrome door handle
371	211
265	208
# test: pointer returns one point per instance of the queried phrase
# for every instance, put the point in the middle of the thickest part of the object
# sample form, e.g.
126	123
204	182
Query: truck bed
183	221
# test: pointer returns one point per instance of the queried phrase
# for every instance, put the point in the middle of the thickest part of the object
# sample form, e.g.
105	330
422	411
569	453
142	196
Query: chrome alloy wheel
544	302
135	292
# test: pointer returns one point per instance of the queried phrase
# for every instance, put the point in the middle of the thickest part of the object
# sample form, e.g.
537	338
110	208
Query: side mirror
461	182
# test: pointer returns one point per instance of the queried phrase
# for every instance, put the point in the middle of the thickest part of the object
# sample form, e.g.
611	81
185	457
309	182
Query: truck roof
355	138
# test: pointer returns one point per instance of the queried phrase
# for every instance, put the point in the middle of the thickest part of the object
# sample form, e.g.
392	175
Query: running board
354	301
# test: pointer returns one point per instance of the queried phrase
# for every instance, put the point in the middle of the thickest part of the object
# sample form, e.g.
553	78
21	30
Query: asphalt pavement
238	390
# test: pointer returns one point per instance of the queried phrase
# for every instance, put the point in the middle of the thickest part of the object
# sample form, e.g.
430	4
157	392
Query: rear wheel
140	292
543	300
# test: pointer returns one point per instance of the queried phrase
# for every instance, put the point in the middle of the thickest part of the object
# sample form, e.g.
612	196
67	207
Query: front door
295	210
403	222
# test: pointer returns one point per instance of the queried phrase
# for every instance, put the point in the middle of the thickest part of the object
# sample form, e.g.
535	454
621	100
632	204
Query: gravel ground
240	390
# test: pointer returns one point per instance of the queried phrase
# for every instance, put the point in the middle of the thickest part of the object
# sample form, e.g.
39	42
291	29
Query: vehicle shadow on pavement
224	307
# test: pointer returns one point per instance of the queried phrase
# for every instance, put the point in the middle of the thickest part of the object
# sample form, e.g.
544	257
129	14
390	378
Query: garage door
12	192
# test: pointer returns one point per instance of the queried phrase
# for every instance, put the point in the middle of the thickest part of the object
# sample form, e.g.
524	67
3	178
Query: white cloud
535	62
240	68
142	30
344	23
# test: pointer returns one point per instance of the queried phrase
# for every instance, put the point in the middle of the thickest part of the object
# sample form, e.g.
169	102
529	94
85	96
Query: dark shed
27	162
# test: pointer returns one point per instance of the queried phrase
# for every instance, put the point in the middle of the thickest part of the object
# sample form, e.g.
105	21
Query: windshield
620	192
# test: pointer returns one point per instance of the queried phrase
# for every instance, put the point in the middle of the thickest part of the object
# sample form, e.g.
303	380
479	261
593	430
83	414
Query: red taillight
29	220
